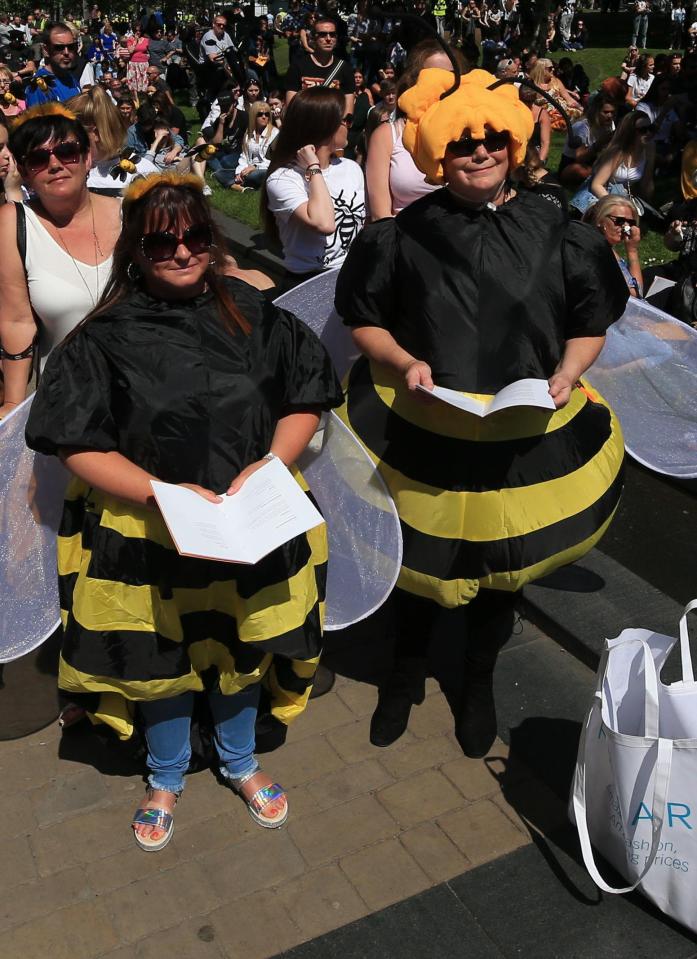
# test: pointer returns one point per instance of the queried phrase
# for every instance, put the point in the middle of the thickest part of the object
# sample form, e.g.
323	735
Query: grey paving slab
539	902
435	924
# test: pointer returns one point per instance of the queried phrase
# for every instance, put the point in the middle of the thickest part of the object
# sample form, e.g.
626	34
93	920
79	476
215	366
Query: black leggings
481	627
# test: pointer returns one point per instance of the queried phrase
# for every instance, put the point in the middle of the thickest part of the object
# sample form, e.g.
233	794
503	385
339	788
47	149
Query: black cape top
169	387
485	297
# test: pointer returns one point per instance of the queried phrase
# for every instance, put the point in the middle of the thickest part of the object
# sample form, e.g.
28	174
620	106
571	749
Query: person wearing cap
474	287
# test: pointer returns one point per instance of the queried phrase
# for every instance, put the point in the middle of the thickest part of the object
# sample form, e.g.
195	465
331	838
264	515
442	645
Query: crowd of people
158	358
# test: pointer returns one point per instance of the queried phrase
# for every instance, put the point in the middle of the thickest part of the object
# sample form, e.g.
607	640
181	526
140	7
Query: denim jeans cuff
169	786
244	768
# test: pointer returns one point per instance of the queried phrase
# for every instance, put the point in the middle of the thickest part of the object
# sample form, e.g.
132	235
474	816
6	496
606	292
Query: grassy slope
598	64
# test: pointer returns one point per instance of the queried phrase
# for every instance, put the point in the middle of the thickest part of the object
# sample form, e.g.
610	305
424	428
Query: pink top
14	109
139	51
407	183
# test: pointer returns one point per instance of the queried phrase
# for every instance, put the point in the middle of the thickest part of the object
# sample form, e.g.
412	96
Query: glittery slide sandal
159	818
260	800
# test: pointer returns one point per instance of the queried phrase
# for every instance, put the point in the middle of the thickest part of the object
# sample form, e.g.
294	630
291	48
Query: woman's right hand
207	494
307	156
418	373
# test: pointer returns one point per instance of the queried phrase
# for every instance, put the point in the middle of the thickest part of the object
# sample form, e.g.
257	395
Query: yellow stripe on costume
456	592
443	420
502	514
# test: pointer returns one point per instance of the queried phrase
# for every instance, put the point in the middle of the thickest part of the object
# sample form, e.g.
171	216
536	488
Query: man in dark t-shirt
322	68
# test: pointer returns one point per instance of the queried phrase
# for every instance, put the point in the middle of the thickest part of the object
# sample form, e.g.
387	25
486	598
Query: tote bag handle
661	780
688	675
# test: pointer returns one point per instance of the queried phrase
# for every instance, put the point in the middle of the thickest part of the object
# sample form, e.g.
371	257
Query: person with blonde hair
106	128
10	105
474	287
542	75
253	164
617	218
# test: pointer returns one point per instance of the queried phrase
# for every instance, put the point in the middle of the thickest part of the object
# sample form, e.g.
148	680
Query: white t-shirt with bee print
304	250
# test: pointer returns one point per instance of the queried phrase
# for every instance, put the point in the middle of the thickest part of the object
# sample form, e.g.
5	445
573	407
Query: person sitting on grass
253	165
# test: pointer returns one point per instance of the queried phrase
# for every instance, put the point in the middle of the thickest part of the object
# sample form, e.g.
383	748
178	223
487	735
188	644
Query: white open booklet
269	510
528	392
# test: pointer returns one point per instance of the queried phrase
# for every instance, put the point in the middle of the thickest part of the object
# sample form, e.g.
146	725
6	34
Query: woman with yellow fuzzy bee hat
474	288
187	376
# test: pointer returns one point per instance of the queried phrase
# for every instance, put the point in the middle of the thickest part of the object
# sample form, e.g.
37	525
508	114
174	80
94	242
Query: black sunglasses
263	113
70	47
67	152
492	143
325	33
162	245
621	220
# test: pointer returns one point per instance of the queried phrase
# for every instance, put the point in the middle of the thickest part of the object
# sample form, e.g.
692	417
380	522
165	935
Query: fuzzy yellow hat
42	110
433	123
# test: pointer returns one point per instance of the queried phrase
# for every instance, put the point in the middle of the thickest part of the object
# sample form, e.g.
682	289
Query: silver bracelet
269	456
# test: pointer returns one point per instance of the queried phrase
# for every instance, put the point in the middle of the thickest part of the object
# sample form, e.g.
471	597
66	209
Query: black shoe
391	716
475	728
323	682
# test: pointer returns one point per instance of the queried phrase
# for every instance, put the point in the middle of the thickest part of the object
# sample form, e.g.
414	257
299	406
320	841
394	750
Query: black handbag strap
21	233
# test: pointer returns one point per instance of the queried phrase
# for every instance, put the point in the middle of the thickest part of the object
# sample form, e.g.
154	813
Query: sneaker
207	190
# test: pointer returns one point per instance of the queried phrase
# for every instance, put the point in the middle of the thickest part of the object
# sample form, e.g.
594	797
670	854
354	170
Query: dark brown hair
166	207
312	116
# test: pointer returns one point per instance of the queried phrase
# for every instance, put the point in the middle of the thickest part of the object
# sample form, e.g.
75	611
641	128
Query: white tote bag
634	795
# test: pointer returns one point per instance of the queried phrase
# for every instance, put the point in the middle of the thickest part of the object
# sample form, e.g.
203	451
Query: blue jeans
167	731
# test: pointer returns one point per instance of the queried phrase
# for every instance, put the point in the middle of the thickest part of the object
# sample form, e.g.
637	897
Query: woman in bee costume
181	374
474	287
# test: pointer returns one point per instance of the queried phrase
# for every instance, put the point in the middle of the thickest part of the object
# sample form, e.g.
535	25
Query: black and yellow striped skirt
142	622
487	503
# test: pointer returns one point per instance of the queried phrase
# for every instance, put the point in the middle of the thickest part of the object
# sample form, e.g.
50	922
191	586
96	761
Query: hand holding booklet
528	392
265	513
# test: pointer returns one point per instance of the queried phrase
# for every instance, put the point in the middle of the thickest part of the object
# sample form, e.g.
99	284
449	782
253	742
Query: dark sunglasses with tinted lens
621	220
67	152
70	47
492	143
263	113
163	245
326	33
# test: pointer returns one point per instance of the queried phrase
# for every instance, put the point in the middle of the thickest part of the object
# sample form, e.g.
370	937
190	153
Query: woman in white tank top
70	237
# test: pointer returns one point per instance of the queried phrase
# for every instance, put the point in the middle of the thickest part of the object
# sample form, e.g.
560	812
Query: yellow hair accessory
433	123
43	110
138	188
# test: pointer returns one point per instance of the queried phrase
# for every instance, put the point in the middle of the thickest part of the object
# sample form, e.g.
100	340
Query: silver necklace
98	254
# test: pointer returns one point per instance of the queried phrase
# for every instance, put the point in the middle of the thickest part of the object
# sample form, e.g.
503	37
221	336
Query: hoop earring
133	273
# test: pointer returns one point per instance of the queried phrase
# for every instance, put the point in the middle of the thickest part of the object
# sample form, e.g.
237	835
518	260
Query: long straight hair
166	206
312	116
95	108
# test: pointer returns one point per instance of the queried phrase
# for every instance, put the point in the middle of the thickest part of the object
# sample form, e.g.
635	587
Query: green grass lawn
598	63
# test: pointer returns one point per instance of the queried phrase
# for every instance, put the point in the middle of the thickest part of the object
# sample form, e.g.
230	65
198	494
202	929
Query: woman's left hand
560	387
239	481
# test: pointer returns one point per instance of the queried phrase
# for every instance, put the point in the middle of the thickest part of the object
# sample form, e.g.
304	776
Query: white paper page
527	392
453	398
269	510
659	284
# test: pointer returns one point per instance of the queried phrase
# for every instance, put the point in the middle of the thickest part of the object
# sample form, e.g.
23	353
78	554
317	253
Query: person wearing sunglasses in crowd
253	165
70	238
617	219
185	376
625	166
322	68
313	200
474	287
225	127
58	79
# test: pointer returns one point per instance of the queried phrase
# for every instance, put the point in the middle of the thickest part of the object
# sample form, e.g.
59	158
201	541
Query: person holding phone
225	127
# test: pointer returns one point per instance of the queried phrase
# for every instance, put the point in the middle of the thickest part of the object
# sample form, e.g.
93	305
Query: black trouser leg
490	623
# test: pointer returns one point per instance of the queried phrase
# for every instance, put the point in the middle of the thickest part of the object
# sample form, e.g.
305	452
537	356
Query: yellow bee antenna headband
41	111
143	185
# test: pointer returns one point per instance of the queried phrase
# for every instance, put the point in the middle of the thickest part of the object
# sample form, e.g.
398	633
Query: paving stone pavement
368	827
